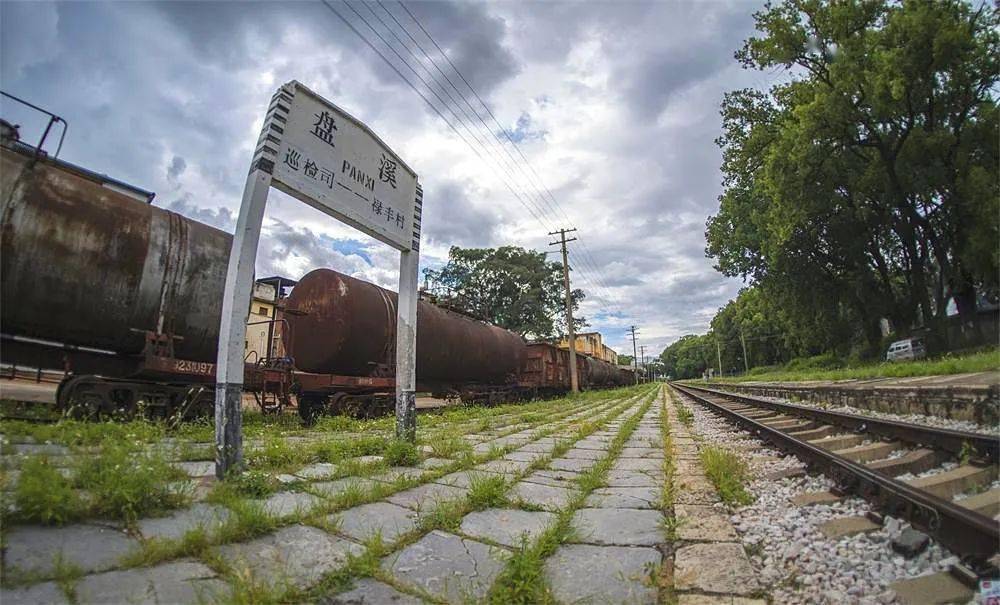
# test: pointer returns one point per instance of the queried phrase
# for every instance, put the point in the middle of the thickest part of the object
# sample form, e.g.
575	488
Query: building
591	343
263	321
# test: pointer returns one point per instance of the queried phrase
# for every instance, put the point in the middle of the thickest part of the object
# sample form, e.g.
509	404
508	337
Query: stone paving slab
538	446
88	547
183	581
618	526
370	592
319	470
46	593
549	497
283	504
641	452
580	573
576	465
624	497
298	554
721	568
506	526
621	478
427	496
524	456
363	522
554	478
209	517
432	463
592	444
638	464
396	473
461	479
339	486
703	523
454	569
585	454
504	467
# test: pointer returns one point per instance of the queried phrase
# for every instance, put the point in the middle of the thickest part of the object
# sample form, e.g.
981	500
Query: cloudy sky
614	105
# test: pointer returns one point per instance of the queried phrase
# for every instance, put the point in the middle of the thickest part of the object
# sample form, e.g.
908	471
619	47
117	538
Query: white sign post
317	153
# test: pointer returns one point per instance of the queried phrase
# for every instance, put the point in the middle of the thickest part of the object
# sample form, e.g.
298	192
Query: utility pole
718	353
645	370
573	380
746	361
635	354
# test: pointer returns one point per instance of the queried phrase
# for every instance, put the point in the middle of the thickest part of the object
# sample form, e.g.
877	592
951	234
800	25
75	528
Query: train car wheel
311	408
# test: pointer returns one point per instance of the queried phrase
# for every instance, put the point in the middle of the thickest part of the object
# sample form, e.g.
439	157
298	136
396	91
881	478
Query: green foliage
44	496
400	452
127	483
728	473
864	185
510	287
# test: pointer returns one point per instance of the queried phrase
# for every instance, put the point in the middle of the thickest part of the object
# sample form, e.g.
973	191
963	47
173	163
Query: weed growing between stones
400	452
685	415
487	490
44	496
728	473
127	483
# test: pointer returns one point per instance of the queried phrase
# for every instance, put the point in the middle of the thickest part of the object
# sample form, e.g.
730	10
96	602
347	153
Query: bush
826	361
43	495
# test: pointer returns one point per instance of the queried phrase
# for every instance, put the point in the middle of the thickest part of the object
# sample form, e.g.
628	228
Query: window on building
262	311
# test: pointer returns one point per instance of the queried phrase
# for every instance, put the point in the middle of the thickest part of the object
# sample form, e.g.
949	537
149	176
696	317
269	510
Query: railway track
887	463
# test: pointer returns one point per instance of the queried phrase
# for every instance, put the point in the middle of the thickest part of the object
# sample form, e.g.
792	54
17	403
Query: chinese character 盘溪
292	158
311	169
324	127
377	207
387	171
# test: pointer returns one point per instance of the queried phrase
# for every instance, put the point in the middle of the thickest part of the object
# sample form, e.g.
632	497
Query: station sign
323	156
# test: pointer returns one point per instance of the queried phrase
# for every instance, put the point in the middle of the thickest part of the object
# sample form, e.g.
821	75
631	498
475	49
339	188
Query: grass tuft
400	452
728	473
487	490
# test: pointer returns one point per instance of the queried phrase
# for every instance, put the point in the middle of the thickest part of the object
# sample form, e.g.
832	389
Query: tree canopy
864	186
511	287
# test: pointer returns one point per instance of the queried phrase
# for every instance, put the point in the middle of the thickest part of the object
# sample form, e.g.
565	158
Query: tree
510	287
865	187
625	360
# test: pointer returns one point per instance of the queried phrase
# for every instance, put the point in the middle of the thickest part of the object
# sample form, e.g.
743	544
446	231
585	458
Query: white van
908	348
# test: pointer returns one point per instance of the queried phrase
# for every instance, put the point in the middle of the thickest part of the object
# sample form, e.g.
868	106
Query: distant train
125	298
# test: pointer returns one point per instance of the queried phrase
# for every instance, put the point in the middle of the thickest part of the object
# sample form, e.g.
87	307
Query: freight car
125	298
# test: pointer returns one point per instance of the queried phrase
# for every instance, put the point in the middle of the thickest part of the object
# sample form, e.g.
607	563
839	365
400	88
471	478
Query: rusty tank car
342	325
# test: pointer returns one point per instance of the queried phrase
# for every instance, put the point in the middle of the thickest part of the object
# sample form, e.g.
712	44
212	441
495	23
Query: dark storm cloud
176	168
454	219
471	37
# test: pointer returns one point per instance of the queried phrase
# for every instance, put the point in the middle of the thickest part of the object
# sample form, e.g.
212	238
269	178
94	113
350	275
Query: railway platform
971	397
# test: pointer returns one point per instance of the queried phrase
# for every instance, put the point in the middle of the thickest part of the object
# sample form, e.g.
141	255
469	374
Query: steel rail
971	535
953	442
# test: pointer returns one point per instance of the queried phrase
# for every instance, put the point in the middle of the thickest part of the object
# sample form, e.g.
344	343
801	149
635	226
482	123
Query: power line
587	258
537	209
